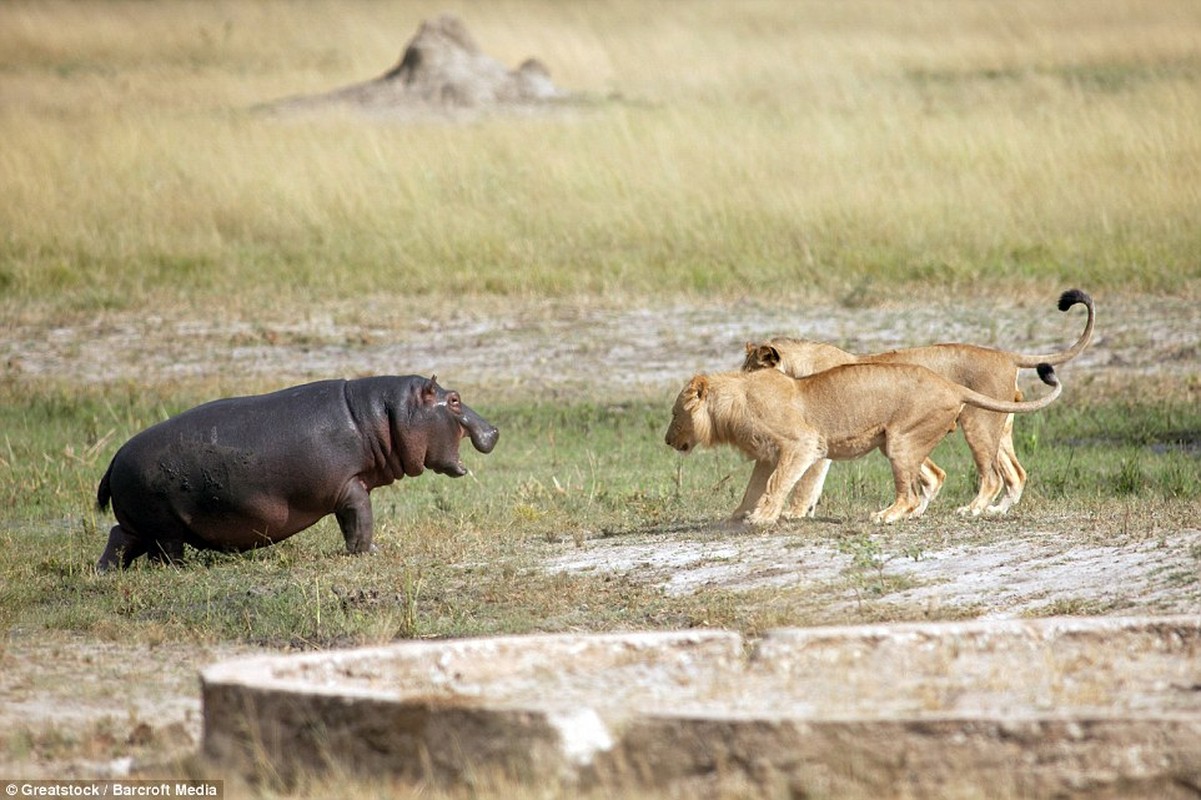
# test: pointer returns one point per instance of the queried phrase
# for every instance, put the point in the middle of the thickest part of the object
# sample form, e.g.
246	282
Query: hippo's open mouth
471	425
456	469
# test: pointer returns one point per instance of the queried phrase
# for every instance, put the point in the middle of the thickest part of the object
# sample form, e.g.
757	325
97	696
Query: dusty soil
75	707
140	703
1034	576
572	347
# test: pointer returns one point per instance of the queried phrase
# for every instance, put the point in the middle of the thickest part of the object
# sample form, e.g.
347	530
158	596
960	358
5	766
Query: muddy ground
52	684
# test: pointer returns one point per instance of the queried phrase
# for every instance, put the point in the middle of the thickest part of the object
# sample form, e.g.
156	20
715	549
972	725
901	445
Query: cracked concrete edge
293	715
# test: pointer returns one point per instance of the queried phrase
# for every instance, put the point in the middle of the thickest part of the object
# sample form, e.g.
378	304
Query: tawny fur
989	371
787	425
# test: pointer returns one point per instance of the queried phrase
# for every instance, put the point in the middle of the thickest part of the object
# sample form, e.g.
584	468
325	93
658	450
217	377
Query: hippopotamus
246	472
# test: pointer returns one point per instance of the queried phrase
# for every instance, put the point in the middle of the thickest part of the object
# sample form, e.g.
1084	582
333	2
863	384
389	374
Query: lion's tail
1045	371
1066	300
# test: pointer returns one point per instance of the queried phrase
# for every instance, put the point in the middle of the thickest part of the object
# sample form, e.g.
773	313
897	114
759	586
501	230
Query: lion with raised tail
986	370
786	425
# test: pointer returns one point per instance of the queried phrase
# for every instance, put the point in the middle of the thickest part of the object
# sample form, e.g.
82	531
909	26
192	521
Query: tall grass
813	146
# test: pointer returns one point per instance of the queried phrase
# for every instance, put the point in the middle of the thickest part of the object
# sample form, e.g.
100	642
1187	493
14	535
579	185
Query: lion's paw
757	520
735	524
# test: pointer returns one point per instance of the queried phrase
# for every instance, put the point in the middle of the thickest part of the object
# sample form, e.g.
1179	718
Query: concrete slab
1062	706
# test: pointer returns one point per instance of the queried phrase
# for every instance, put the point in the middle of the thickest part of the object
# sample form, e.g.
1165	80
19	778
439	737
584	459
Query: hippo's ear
429	391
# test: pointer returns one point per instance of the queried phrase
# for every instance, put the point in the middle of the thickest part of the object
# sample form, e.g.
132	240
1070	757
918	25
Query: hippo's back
273	462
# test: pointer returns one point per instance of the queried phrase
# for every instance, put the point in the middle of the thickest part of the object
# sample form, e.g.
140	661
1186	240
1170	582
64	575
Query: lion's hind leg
1013	475
915	477
983	432
908	502
930	478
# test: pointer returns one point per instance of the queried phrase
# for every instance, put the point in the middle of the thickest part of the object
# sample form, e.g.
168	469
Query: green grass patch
462	557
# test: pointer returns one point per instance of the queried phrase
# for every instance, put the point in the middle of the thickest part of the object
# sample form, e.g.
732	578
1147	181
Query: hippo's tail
103	493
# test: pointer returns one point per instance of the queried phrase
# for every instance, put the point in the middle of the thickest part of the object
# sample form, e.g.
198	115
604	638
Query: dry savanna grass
847	152
826	148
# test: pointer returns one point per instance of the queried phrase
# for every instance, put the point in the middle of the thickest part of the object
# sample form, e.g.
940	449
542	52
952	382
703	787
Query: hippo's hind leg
166	551
356	518
122	548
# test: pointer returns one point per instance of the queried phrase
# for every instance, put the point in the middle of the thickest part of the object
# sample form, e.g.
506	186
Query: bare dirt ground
1034	576
521	346
140	703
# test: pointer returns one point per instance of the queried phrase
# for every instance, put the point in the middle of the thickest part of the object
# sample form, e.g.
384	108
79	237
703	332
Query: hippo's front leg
356	518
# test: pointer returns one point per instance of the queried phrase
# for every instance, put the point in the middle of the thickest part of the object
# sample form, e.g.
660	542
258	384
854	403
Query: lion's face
687	428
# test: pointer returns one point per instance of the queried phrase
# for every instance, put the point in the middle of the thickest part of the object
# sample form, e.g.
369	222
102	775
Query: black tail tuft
1047	374
1071	297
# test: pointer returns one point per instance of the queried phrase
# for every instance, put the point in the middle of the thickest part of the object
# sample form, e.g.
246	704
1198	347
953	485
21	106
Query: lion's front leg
808	491
789	469
754	489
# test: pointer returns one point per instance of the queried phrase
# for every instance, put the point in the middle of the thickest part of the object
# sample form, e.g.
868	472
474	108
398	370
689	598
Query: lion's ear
698	387
751	347
771	356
